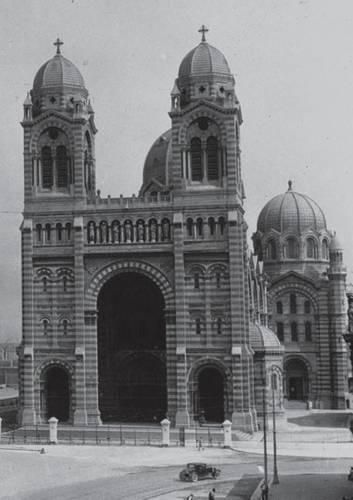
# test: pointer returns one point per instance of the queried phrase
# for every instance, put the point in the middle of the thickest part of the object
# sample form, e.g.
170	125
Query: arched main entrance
57	393
211	394
296	380
131	349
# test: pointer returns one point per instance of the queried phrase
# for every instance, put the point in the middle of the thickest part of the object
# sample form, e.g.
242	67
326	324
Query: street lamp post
264	417
274	387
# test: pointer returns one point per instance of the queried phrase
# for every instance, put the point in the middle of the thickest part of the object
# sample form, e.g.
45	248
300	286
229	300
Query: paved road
80	477
309	487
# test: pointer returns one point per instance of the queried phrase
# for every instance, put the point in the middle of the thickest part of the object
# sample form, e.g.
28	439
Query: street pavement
145	472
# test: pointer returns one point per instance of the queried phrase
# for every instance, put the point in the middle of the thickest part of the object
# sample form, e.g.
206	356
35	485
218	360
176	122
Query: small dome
157	159
264	339
335	244
291	212
203	60
58	72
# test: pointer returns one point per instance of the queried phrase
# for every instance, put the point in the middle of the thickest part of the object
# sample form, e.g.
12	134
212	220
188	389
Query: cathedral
137	308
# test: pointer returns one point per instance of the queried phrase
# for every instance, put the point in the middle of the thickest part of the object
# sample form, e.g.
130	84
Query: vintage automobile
195	471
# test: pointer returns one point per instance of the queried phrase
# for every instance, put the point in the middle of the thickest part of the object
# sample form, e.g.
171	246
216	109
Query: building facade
141	307
303	262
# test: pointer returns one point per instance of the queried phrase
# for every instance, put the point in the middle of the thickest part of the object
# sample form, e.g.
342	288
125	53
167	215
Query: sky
293	65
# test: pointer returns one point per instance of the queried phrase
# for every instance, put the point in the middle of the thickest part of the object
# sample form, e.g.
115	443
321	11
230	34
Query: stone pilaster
27	404
182	414
80	413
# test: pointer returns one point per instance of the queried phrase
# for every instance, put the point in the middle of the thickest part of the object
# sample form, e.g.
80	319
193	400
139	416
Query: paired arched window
307	307
52	170
204	160
219	326
198	326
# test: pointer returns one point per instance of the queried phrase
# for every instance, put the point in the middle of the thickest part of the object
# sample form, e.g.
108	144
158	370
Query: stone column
80	414
92	400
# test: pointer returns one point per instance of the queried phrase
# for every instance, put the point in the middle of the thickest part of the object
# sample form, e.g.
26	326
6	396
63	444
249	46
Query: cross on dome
203	30
58	42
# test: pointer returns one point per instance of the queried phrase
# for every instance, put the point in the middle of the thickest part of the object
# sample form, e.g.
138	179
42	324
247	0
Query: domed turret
157	161
291	212
58	84
204	74
292	226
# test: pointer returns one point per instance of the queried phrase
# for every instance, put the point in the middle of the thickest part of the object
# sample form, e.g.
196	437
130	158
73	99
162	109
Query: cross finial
58	42
203	30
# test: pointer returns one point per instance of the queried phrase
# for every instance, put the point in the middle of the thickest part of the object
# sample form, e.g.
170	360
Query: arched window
307	307
218	280
271	250
325	254
310	248
65	326
292	248
45	284
196	159
39	233
219	326
45	326
221	225
199	227
280	331
212	159
68	231
59	232
198	326
196	280
189	227
65	283
308	331
47	168
294	331
293	303
62	163
47	233
279	307
211	226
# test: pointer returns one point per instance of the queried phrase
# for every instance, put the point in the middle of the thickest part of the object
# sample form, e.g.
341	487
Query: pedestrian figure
351	427
190	497
264	492
212	494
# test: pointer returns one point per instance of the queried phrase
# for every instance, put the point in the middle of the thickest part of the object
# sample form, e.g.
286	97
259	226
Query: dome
157	159
203	60
291	212
264	339
58	72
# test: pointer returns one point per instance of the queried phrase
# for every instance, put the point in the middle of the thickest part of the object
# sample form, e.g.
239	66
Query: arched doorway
57	393
131	349
211	394
297	380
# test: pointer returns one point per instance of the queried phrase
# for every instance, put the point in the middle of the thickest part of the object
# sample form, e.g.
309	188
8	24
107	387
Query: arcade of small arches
292	248
129	231
205	228
57	234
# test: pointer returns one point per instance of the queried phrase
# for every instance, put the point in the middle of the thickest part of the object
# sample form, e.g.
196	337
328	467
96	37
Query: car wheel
194	477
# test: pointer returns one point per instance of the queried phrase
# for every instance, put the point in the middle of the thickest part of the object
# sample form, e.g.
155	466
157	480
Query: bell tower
59	132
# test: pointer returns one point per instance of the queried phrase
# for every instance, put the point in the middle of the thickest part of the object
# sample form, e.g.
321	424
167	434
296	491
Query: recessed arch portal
210	394
56	393
131	349
296	379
